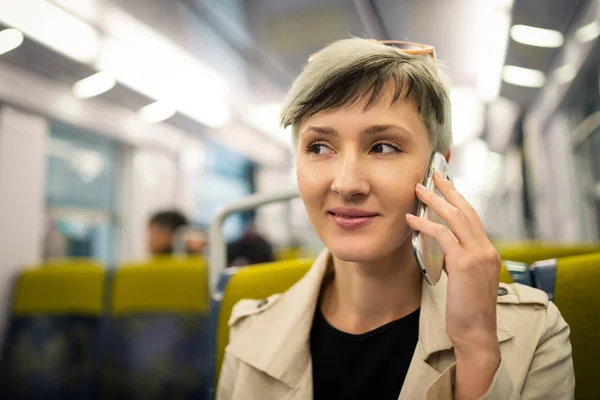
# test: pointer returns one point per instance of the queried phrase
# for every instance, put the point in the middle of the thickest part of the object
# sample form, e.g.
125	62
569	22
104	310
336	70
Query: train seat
155	345
52	332
572	284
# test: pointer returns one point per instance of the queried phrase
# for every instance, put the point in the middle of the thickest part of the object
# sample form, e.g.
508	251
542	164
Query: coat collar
277	341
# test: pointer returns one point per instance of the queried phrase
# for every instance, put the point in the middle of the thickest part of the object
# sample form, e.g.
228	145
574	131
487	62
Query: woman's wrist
476	366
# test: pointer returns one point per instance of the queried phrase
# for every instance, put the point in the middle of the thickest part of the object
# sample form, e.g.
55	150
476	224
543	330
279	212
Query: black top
372	365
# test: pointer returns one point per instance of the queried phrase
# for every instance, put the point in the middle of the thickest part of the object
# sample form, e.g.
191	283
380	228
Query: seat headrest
60	289
162	285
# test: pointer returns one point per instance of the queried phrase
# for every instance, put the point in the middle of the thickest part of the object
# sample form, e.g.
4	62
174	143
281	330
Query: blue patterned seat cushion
48	357
154	357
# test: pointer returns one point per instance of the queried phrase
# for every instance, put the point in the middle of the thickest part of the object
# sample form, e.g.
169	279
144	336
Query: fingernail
439	174
410	217
420	187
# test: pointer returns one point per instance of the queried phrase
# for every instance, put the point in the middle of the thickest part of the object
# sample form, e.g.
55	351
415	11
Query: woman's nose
350	180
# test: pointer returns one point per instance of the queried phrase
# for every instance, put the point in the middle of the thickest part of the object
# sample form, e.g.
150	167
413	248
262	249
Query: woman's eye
382	148
317	148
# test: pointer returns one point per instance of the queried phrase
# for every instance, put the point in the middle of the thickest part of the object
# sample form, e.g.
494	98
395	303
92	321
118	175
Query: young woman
362	323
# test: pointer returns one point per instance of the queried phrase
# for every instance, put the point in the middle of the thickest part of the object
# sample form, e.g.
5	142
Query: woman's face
357	172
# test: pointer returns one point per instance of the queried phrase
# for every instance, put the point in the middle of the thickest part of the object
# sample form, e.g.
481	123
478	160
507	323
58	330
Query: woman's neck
363	296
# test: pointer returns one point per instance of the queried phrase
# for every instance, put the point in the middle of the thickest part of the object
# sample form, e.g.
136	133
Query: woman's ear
448	155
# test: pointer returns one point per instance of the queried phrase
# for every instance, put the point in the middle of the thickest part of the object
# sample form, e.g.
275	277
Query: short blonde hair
349	70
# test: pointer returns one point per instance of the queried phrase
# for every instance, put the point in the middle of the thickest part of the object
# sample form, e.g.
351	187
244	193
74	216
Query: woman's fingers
456	220
435	231
457	200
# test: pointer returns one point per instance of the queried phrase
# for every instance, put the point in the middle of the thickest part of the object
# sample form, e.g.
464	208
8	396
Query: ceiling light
136	55
588	32
467	114
538	37
88	10
523	76
93	85
501	117
53	27
564	74
504	5
264	117
156	112
491	53
10	39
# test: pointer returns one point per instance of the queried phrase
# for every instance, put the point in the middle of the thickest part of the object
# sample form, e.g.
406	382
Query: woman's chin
358	252
366	248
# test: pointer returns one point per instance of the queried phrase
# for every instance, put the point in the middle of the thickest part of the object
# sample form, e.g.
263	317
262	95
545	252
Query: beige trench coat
268	356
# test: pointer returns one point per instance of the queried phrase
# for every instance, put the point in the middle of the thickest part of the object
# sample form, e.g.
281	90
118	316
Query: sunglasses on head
406	47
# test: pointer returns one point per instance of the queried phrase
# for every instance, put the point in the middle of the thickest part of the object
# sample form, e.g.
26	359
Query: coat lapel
434	353
277	342
284	352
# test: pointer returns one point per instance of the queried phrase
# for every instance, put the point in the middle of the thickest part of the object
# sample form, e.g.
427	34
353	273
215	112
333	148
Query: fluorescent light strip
156	112
139	58
467	114
537	37
491	50
523	76
130	51
53	27
10	39
588	32
93	85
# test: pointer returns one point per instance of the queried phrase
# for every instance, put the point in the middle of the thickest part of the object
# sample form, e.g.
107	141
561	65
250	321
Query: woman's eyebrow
374	129
323	130
371	130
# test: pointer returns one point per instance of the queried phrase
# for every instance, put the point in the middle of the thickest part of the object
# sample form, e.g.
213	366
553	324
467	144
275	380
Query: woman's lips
351	219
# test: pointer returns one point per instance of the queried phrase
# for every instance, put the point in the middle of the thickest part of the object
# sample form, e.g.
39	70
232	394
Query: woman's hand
473	267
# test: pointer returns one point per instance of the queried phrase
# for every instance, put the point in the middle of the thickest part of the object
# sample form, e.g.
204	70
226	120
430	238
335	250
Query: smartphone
429	255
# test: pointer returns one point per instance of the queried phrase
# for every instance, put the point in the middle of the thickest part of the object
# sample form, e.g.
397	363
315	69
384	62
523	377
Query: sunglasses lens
405	46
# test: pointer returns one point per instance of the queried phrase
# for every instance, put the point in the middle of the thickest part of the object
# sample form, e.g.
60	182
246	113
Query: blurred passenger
162	231
366	118
195	242
251	248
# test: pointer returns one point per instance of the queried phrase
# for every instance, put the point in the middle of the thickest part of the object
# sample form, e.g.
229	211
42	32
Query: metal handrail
217	249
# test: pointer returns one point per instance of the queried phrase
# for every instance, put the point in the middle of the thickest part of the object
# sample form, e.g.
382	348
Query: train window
225	178
80	195
583	102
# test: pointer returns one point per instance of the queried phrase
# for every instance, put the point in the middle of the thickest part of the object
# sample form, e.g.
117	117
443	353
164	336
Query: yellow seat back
156	341
576	295
505	276
288	253
255	282
529	253
161	285
62	289
71	262
52	332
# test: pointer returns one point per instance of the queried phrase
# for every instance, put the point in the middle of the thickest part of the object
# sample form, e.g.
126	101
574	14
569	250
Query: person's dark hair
170	219
250	249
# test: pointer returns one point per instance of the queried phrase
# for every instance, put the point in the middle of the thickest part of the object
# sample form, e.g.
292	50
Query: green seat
52	333
155	345
572	283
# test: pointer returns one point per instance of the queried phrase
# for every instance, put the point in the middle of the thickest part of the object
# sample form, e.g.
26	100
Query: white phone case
429	255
